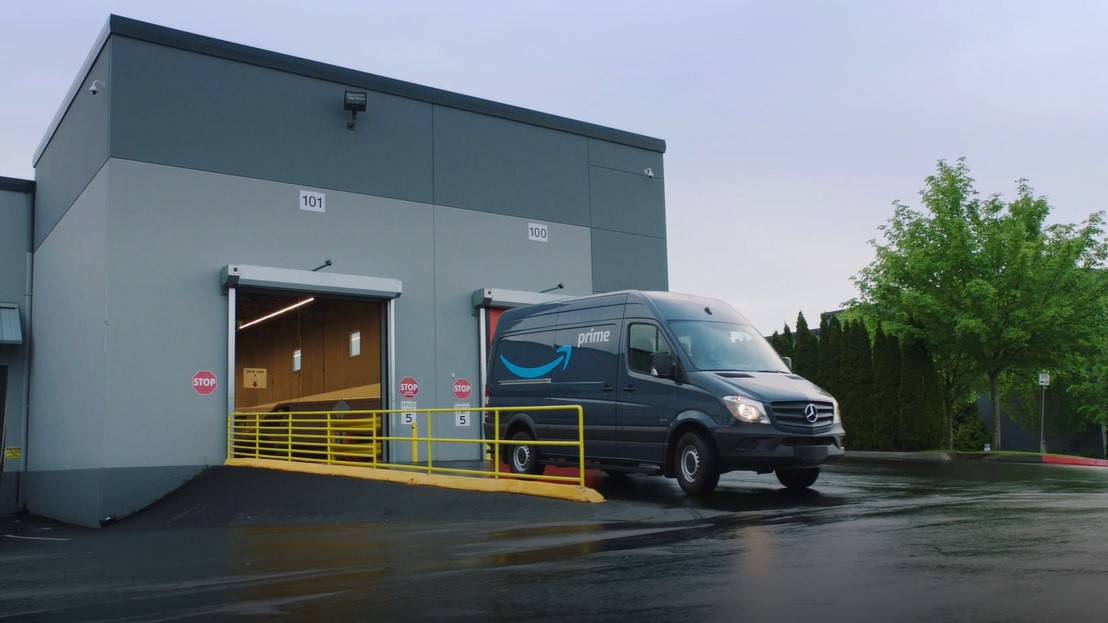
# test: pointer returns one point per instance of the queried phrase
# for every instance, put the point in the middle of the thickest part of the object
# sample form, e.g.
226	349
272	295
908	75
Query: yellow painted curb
573	493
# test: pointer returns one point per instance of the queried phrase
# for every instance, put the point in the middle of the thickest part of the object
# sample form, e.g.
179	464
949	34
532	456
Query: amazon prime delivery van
670	384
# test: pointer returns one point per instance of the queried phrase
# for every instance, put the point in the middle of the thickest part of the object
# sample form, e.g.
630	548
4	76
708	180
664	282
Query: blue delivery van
670	384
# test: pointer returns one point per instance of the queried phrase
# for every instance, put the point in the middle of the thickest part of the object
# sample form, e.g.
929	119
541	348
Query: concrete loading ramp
229	496
506	484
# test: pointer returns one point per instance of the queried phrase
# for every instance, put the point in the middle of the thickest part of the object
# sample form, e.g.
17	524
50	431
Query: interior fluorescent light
276	313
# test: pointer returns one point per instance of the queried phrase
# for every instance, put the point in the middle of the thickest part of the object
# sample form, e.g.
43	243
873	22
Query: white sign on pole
1044	379
538	232
313	201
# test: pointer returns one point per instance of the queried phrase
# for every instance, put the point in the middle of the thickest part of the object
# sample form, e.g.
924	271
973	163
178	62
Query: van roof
667	305
674	306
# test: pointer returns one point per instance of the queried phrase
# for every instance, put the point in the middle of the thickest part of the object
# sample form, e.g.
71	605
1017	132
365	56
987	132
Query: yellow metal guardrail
355	438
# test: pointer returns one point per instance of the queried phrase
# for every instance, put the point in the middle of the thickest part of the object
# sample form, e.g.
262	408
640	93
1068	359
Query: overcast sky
791	126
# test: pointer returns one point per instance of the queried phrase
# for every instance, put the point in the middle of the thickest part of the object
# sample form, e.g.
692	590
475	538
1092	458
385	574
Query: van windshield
726	346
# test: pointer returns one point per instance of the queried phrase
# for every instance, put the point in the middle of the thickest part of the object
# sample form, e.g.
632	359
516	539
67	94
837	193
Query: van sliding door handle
606	388
629	388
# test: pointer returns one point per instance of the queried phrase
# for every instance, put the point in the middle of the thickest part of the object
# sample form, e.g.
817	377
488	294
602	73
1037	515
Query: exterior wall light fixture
355	102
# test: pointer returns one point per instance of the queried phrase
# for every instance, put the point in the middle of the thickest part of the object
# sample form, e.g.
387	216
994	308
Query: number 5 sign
462	418
408	418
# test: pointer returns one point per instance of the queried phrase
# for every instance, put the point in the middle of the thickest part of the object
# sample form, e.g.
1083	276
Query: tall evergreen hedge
886	390
855	386
921	422
806	355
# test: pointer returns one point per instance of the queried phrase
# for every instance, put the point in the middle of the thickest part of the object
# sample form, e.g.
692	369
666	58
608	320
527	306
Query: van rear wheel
798	478
696	464
524	458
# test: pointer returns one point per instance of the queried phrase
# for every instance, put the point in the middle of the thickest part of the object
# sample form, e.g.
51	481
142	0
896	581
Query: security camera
649	172
95	87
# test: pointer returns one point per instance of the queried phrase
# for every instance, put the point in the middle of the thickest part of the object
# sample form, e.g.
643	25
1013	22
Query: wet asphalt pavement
963	541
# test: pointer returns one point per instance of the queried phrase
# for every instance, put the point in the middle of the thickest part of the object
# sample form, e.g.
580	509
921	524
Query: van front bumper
766	452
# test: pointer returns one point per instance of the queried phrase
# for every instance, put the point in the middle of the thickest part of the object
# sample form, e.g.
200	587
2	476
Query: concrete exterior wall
192	110
15	247
77	149
628	262
494	165
68	376
476	250
205	157
152	313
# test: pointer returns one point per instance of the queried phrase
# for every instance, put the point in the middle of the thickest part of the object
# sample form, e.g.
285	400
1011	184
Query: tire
796	479
696	464
524	459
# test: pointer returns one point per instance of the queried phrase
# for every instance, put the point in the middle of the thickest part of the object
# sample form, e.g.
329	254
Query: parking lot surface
960	541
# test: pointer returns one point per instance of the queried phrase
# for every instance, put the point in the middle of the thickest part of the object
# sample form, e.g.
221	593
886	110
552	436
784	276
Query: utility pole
1044	381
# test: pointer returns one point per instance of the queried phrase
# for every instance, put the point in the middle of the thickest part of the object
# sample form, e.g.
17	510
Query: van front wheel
524	458
696	464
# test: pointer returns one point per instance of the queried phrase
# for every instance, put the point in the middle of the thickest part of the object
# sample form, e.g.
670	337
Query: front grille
808	441
790	415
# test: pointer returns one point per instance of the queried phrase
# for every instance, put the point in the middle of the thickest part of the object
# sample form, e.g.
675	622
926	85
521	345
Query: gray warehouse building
168	264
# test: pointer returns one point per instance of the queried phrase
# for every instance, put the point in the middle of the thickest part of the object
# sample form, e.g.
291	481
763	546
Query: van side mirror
662	363
788	363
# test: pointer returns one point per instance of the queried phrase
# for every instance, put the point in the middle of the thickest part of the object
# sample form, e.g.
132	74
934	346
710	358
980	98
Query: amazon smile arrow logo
564	354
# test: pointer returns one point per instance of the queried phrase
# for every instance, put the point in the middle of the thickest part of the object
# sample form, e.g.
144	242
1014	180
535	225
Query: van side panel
564	354
516	369
589	380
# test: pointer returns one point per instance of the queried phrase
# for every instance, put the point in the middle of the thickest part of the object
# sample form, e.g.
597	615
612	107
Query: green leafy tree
957	385
1022	400
886	390
921	418
1087	390
856	386
983	283
806	355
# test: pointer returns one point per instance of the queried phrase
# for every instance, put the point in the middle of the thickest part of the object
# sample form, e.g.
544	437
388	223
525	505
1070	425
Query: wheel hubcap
690	463
522	457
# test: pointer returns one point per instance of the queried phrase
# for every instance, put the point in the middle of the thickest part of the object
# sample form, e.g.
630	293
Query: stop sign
461	389
204	383
409	387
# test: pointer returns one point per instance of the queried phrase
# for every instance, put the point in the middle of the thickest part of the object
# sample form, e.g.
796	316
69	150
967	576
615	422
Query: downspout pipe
28	344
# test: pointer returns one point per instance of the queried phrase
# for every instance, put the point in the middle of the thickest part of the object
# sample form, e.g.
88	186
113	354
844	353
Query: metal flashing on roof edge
289	279
171	37
16	185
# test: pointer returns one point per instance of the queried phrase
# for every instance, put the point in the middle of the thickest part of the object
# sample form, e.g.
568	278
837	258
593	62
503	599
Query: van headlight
745	409
838	418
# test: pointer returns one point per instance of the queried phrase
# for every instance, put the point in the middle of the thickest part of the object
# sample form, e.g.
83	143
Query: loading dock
151	231
307	342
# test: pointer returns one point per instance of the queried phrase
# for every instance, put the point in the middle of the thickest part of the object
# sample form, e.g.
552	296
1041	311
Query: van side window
643	340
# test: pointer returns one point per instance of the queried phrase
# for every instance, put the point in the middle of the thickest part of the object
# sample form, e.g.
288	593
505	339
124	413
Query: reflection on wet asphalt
964	541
